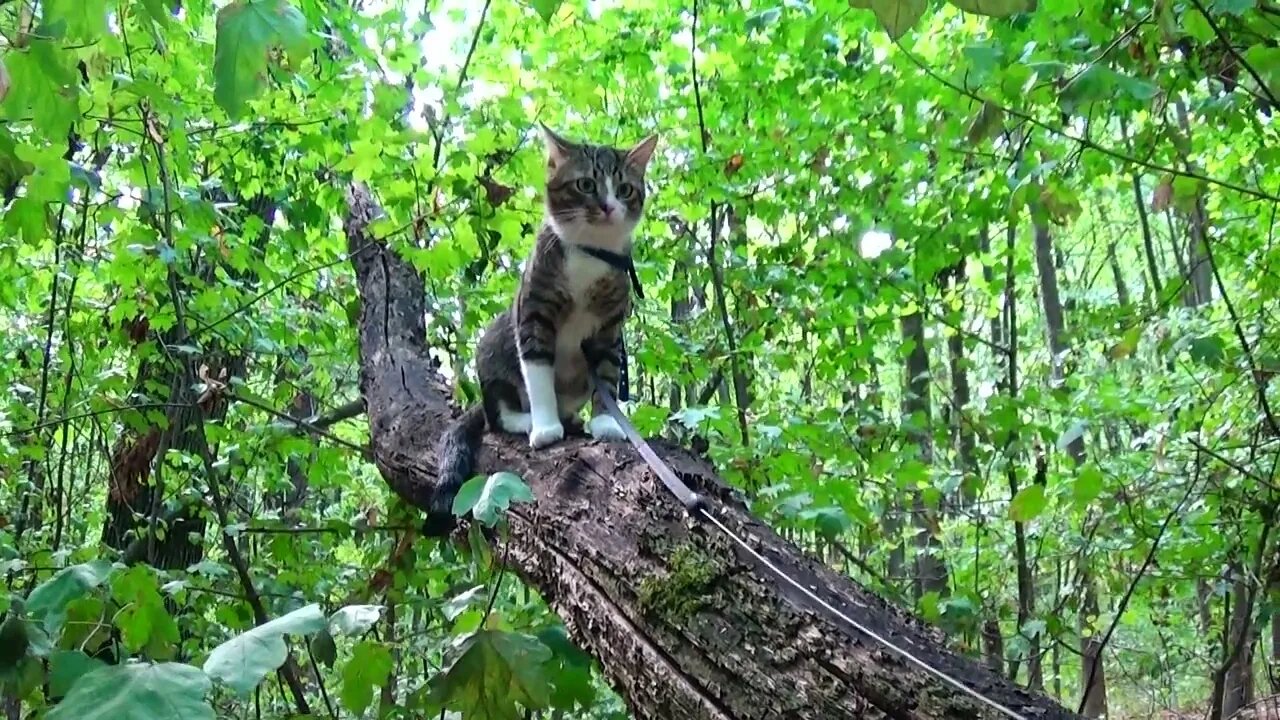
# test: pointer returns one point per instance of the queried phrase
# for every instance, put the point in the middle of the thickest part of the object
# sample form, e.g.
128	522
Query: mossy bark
684	624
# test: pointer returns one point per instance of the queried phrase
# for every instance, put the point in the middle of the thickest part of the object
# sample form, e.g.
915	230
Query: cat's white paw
543	435
604	427
515	422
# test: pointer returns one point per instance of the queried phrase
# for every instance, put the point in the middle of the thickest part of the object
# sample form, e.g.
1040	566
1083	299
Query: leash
697	507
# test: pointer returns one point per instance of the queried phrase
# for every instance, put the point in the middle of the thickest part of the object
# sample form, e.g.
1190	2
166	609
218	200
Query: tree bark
684	625
917	417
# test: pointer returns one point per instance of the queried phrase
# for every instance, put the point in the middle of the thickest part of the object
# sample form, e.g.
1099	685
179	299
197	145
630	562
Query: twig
1133	585
1217	30
301	424
1083	142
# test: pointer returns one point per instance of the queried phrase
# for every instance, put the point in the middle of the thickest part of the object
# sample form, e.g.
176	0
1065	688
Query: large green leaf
493	675
487	498
67	667
246	31
896	16
137	691
243	661
47	604
367	670
993	8
1028	503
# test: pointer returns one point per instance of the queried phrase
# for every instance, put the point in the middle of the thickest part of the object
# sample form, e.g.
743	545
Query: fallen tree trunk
685	625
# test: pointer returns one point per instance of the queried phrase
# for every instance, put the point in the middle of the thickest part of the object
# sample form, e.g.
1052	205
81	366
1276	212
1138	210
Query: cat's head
595	194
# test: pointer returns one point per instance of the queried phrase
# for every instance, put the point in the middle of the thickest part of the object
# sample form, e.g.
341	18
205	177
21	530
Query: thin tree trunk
1199	289
917	417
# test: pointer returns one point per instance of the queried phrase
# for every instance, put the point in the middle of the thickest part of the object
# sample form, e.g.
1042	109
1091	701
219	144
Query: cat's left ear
640	155
557	147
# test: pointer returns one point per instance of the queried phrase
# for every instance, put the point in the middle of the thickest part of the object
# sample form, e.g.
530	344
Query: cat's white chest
582	271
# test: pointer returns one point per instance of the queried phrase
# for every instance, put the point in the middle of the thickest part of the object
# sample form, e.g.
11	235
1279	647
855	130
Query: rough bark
136	483
684	626
917	416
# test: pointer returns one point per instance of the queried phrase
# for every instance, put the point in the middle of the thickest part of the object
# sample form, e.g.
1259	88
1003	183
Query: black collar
617	261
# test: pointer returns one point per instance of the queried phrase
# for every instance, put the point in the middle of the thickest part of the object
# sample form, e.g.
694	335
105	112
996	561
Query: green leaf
1028	503
47	604
324	648
1208	350
546	9
493	674
13	643
68	666
243	661
897	16
368	669
1088	484
84	20
246	31
569	671
993	8
158	11
1266	61
1234	7
137	691
487	497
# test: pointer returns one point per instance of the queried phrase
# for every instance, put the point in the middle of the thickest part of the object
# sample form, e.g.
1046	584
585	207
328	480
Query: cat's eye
626	191
585	185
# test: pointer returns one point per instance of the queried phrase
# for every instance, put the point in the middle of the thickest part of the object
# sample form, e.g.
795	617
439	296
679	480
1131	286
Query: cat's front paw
541	436
604	427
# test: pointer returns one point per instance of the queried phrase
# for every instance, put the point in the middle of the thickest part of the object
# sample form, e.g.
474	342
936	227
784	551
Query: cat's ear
640	155
557	147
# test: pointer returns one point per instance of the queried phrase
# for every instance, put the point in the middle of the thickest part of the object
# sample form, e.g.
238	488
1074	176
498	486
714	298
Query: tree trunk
1199	288
684	624
1092	669
136	482
1025	570
917	417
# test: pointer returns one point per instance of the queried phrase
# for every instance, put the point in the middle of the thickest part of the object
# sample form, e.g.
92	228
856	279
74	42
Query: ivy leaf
1028	503
485	498
137	691
246	31
243	661
993	8
897	16
368	669
355	619
47	604
494	672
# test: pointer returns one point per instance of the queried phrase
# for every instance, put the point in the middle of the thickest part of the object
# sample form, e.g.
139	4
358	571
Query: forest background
974	301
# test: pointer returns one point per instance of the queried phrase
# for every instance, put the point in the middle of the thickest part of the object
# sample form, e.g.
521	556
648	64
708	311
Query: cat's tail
455	462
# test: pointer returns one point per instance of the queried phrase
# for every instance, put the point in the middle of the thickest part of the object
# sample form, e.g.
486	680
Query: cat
566	319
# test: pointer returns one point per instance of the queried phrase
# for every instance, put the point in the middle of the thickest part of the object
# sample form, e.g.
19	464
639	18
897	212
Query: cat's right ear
557	147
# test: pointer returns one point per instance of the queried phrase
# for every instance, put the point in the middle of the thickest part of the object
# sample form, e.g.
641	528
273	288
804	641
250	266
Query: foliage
173	179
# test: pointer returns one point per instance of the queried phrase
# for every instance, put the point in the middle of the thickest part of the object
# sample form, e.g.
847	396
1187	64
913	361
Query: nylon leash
696	506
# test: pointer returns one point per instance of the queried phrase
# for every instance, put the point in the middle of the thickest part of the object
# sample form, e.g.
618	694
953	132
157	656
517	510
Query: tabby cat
567	316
